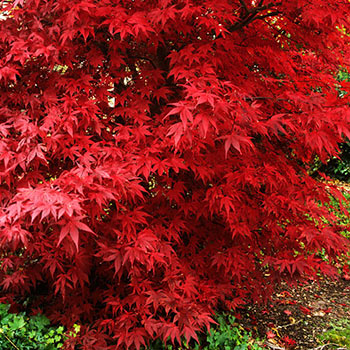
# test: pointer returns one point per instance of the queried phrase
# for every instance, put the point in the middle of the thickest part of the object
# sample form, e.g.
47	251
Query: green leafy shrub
226	335
336	167
20	332
229	335
344	218
339	168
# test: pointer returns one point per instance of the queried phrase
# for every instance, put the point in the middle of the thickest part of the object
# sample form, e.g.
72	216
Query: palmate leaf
72	227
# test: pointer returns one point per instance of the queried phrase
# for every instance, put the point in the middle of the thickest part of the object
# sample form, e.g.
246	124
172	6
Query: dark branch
244	5
255	98
253	14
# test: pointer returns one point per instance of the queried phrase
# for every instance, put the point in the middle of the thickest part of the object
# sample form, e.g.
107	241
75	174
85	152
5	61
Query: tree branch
244	5
252	14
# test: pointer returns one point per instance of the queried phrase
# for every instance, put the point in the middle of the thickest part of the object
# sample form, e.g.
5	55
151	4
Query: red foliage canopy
151	156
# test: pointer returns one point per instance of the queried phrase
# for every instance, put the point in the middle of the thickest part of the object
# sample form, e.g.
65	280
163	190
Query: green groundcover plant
338	335
227	334
20	332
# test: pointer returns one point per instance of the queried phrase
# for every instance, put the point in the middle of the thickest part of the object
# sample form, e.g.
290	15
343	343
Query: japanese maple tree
153	157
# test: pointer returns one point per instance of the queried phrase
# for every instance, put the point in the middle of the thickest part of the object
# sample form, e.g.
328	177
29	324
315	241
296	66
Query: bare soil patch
296	316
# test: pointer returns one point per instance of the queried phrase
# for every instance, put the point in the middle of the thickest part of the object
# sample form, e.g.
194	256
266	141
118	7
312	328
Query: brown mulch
297	315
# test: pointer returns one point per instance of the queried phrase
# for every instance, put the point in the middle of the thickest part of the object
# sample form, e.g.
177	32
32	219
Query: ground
297	316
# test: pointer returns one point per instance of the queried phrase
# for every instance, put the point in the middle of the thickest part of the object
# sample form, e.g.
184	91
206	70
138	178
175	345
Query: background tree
152	157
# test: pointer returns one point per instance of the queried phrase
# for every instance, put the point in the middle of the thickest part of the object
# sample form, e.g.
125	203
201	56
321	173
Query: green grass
337	336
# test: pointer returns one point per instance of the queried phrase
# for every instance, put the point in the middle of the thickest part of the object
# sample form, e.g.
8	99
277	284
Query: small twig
253	98
273	346
10	341
289	324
